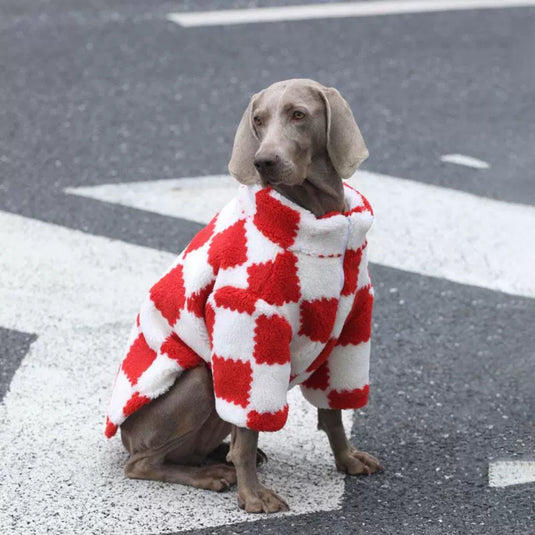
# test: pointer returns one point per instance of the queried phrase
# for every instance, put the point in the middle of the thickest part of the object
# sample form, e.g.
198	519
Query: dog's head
288	126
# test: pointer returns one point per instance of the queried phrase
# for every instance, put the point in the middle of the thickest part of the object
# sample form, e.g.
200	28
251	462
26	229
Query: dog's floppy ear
241	165
345	145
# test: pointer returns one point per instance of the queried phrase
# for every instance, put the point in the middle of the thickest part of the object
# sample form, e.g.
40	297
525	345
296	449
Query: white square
345	304
192	331
122	392
227	216
269	387
158	377
349	366
230	412
303	352
319	277
364	276
197	272
317	398
153	325
259	247
233	335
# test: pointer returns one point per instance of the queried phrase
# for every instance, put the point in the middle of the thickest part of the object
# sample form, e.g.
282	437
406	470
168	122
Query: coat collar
297	229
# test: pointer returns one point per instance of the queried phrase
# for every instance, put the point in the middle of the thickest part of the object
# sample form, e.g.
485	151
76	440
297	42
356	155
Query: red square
317	318
177	350
319	380
358	326
197	301
276	282
349	399
169	294
276	221
229	247
111	428
267	421
209	319
232	380
233	298
272	340
351	270
139	358
134	403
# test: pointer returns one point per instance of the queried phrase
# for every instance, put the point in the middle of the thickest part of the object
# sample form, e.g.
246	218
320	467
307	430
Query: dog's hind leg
169	438
211	477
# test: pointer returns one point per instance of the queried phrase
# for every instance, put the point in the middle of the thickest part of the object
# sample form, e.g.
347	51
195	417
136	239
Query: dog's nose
266	164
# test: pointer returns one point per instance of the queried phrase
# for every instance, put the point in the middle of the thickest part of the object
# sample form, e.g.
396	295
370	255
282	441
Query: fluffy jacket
268	296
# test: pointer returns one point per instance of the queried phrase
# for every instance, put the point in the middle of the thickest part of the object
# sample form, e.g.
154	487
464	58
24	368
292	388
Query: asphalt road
113	93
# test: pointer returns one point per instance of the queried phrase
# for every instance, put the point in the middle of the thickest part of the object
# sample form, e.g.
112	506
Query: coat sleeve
250	359
342	380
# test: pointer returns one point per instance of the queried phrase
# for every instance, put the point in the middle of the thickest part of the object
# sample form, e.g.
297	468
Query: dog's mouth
288	179
277	182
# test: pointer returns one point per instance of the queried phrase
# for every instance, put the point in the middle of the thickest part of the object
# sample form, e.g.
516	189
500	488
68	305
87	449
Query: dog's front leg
347	458
252	495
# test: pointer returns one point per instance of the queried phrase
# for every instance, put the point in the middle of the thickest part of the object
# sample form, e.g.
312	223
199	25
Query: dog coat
268	296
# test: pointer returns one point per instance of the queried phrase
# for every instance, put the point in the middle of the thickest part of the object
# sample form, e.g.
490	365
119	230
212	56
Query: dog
274	292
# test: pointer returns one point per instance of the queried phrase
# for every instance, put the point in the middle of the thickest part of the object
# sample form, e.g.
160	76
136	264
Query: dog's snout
265	164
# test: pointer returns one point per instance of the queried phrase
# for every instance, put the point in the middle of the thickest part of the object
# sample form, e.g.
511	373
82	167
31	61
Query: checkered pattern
268	296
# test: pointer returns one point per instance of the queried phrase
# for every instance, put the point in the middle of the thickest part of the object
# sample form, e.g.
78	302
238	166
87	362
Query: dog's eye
298	115
257	121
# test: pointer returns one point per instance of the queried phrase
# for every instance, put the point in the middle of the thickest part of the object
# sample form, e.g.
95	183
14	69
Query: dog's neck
321	192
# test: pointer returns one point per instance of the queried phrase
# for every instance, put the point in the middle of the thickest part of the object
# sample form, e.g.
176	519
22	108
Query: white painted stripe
334	10
419	227
195	198
513	472
468	161
80	294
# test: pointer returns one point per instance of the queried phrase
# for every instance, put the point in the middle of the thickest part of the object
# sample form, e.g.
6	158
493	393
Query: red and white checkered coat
268	296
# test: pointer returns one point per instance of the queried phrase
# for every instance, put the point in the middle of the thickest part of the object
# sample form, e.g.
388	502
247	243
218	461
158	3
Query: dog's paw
261	500
217	477
355	462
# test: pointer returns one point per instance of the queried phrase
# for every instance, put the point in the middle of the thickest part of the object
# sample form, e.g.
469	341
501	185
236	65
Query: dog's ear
345	145
241	165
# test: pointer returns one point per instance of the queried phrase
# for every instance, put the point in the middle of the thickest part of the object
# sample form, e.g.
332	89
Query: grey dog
301	139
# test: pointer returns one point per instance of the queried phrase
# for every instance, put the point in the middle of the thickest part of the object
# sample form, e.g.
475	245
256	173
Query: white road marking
80	293
468	161
334	10
420	228
513	472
